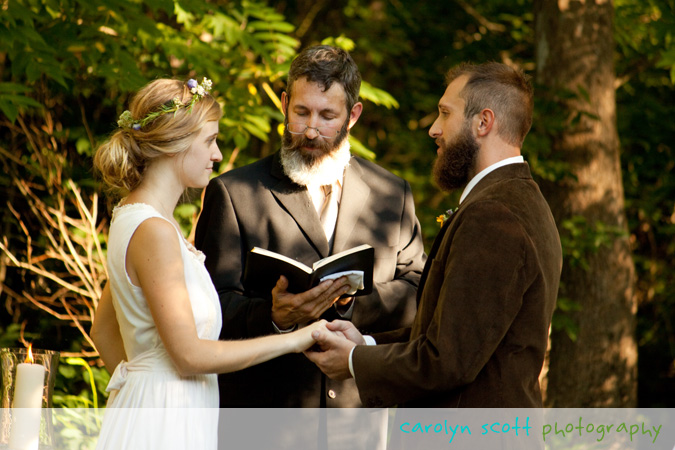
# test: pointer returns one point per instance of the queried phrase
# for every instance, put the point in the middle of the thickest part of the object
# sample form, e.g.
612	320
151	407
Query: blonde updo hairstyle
122	159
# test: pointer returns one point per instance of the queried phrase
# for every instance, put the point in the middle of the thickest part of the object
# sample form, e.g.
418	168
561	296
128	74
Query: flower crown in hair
126	120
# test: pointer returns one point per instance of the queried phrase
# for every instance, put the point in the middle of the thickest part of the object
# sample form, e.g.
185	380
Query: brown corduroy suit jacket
485	304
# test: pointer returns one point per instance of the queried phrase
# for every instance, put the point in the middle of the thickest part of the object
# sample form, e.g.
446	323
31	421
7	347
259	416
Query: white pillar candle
26	409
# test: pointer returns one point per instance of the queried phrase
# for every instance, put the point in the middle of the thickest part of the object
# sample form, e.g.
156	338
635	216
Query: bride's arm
105	332
154	261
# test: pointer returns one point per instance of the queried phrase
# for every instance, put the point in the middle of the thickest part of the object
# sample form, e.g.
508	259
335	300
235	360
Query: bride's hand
303	337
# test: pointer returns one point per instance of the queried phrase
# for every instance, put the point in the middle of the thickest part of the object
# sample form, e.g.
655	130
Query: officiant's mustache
297	142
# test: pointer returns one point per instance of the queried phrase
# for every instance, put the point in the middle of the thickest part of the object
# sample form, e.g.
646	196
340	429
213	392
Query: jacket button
331	393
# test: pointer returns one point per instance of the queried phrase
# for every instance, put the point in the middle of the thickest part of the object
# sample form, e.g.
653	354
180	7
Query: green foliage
645	67
102	51
79	388
359	149
377	96
645	36
580	239
11	334
186	214
549	122
563	320
79	385
78	429
368	91
12	99
341	41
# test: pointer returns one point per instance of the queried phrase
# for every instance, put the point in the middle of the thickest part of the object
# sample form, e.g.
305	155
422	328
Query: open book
263	268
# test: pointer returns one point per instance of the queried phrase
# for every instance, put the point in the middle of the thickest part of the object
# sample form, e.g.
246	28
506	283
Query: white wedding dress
151	406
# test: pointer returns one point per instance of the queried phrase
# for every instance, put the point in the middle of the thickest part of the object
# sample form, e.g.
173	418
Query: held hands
303	338
290	309
335	343
347	330
306	337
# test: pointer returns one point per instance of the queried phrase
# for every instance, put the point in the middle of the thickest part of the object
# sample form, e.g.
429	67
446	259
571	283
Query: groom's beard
325	164
456	160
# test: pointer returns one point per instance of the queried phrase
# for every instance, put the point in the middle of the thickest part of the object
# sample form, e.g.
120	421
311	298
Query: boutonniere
445	216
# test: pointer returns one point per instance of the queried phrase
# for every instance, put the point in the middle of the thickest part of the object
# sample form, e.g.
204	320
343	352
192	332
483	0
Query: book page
329	259
279	256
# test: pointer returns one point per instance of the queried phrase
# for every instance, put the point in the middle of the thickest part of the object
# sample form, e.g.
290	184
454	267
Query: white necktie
329	211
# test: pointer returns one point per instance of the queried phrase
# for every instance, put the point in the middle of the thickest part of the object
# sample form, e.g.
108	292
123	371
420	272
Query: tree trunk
575	50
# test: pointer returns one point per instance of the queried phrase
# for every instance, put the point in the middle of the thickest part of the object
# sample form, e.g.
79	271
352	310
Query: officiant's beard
325	164
456	160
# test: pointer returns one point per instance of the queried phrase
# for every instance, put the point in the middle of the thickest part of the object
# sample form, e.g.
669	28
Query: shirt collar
317	196
339	181
474	181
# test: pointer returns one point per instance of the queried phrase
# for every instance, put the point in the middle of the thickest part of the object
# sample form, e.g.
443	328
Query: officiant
310	200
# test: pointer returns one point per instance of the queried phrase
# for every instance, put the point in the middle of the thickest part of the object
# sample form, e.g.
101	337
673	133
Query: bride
158	320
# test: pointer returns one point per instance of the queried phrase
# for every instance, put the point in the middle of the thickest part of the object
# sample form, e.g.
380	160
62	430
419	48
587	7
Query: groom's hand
333	355
348	330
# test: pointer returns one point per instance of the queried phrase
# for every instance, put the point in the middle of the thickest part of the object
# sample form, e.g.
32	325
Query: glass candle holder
27	389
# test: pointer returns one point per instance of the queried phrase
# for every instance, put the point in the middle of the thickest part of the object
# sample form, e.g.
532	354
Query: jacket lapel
355	193
432	254
505	172
297	203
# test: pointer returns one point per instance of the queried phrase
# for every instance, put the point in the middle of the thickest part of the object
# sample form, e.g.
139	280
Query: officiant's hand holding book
264	267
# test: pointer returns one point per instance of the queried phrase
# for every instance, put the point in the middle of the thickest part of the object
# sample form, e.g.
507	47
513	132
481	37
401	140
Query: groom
490	283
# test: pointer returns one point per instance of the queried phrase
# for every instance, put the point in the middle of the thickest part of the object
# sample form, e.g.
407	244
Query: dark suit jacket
258	205
486	299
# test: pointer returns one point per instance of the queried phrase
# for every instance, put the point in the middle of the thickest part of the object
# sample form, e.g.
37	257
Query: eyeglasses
301	128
